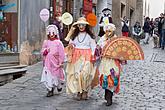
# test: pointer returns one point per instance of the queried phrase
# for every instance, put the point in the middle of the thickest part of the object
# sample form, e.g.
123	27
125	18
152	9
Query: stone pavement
142	88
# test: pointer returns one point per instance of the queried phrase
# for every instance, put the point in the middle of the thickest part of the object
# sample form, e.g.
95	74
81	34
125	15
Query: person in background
125	30
156	33
151	27
53	59
105	19
163	32
160	29
146	29
58	23
137	31
3	44
125	26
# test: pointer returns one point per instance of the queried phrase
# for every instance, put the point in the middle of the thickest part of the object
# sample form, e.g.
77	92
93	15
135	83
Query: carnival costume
53	58
109	69
105	19
80	70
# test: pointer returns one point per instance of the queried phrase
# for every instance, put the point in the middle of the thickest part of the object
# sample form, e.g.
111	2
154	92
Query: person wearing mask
80	69
53	58
105	19
109	68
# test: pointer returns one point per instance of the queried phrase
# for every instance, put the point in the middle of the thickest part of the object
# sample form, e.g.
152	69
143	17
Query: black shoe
49	94
79	96
59	89
108	97
163	48
108	103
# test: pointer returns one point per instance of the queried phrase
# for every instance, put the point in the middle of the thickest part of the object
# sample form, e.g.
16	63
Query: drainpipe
19	25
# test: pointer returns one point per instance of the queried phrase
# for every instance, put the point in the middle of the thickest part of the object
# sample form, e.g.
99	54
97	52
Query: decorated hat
52	29
105	9
110	26
81	20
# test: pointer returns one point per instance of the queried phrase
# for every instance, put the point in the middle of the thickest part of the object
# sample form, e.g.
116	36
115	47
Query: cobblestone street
142	88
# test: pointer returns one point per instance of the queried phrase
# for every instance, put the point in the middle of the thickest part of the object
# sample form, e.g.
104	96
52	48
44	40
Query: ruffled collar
52	39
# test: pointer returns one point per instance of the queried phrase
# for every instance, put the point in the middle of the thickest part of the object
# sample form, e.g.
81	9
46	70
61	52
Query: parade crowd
86	67
152	29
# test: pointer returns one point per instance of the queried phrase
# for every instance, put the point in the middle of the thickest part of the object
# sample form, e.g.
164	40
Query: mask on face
81	25
108	33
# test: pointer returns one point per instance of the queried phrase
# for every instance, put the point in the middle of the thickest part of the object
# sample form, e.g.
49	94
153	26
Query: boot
108	97
50	93
79	96
162	47
85	95
59	89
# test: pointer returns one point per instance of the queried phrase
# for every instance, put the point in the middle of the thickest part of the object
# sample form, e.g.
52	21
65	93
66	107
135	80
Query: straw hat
110	26
81	20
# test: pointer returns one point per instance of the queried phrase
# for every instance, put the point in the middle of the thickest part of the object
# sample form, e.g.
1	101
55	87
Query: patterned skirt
80	71
109	70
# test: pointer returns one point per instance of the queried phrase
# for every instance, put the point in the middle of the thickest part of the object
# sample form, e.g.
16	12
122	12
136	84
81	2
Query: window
122	10
131	13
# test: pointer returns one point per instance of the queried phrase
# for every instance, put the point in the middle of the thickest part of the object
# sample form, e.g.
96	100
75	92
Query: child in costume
53	56
80	68
105	19
109	69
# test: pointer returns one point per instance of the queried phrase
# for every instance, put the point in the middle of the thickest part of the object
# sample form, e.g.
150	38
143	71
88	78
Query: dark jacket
160	26
146	27
125	28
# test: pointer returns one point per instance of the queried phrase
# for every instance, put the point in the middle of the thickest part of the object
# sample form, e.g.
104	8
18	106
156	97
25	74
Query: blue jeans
163	37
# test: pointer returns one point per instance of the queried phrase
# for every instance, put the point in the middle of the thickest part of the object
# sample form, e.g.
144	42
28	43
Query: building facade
132	9
146	9
26	31
9	24
31	29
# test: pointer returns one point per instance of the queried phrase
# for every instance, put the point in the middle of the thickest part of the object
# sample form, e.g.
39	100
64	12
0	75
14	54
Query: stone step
9	58
8	64
8	75
12	71
12	67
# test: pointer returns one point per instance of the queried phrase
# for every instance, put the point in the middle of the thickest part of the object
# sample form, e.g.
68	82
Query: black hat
105	9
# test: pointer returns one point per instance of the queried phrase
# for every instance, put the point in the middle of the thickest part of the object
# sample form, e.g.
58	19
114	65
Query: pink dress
53	56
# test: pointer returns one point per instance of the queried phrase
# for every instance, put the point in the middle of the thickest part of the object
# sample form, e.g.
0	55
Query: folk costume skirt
80	71
109	70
